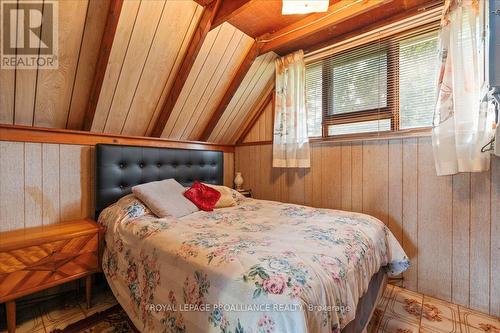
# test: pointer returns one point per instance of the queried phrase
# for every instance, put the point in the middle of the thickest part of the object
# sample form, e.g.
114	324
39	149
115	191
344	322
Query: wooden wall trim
229	9
49	135
231	90
411	133
254	143
195	44
338	12
414	133
256	116
112	19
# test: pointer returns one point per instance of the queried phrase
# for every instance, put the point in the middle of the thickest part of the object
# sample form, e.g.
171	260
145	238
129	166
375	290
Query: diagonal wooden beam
231	90
263	105
194	47
204	3
338	12
114	10
229	9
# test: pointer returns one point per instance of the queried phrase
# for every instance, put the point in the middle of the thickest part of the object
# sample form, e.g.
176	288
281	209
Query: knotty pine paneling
449	226
45	183
222	51
259	78
57	98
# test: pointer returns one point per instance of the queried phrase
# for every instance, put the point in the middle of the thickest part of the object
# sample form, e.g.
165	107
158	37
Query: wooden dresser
34	259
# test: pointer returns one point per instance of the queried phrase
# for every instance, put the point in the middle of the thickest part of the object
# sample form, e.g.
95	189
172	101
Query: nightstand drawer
32	268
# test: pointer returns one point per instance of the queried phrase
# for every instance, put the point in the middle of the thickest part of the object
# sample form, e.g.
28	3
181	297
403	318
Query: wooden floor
399	311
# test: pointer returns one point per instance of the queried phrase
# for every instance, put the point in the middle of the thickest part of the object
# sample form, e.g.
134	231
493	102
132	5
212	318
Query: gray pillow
165	198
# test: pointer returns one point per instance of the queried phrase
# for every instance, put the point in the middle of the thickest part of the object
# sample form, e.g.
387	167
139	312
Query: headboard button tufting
121	167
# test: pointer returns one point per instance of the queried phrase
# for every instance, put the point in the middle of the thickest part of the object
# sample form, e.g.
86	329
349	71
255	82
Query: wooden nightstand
246	193
34	259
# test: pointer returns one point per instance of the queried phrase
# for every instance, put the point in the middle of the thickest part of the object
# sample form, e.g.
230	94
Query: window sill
410	133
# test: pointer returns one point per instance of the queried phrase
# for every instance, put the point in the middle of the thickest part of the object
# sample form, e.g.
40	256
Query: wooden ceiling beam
194	47
204	3
245	65
262	107
229	9
338	12
108	36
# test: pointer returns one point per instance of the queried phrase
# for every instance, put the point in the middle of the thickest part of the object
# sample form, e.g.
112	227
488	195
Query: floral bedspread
260	266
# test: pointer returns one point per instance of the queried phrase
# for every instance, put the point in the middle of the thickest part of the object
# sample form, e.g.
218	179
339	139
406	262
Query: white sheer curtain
462	121
291	143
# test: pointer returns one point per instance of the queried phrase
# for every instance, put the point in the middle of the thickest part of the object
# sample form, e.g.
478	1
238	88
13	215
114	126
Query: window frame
391	111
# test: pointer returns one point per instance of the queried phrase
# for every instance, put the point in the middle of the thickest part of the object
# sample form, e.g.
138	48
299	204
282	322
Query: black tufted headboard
119	168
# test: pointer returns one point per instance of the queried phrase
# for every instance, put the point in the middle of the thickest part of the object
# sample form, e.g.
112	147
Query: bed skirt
368	303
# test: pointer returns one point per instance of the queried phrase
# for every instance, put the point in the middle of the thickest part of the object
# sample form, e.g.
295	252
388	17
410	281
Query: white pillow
165	198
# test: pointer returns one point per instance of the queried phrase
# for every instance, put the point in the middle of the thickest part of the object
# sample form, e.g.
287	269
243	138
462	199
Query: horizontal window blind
387	84
418	62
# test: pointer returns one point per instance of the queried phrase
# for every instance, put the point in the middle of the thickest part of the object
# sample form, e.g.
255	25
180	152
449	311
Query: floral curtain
462	119
291	143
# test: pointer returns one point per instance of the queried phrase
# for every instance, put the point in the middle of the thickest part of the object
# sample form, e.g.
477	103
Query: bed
260	266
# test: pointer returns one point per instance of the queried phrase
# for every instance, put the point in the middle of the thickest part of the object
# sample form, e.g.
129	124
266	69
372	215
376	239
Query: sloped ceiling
253	88
262	130
150	42
221	89
58	98
222	51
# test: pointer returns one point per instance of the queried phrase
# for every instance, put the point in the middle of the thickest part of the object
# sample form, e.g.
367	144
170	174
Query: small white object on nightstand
238	181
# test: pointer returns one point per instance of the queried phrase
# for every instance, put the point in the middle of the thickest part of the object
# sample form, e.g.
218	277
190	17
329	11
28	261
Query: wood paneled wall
262	130
253	88
44	183
223	50
57	98
150	42
449	226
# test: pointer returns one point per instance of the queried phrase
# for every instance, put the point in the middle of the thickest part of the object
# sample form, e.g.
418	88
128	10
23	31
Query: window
417	74
381	86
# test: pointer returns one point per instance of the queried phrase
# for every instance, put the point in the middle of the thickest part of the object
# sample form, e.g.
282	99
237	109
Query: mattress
260	266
